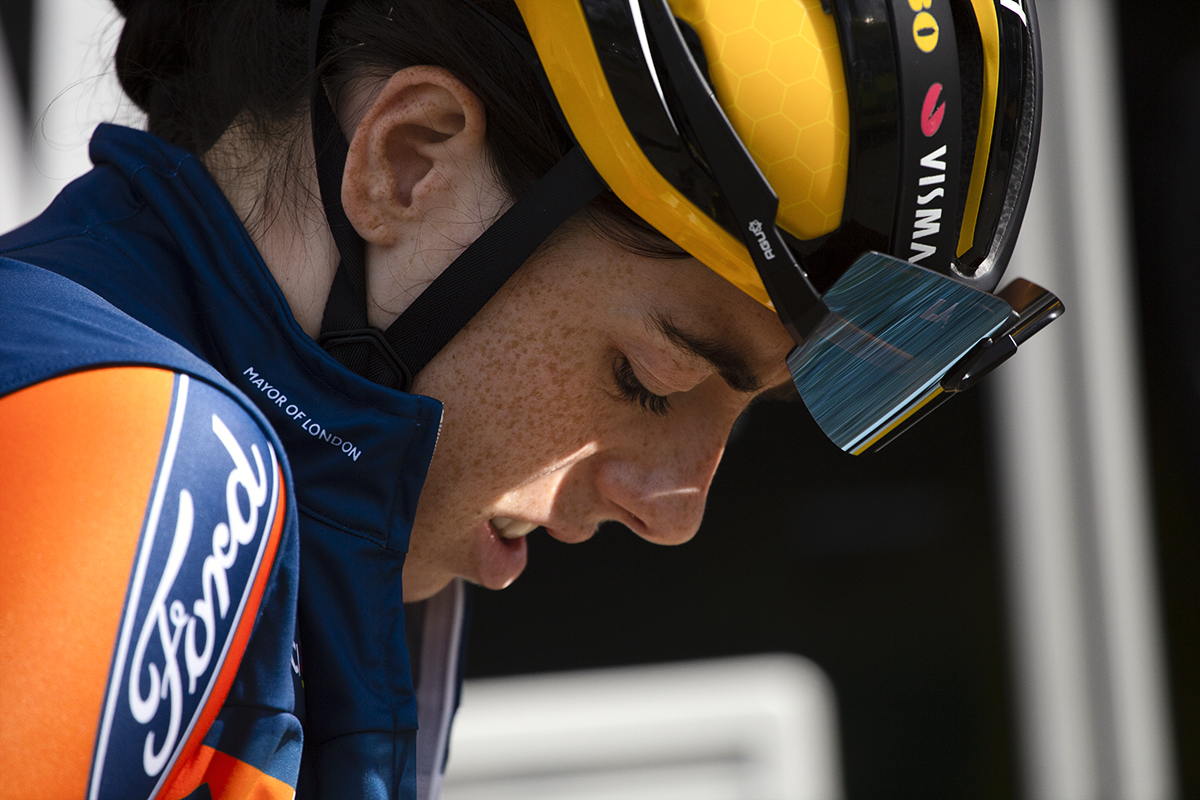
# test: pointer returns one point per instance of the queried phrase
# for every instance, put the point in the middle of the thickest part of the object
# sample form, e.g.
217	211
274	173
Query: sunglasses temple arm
1035	306
1033	309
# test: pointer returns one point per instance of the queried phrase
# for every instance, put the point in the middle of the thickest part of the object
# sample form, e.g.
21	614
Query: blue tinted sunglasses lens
894	330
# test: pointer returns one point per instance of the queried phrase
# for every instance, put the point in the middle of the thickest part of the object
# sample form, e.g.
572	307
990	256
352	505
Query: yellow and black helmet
859	166
908	127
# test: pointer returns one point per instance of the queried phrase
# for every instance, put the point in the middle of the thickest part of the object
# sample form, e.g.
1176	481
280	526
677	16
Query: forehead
681	300
624	293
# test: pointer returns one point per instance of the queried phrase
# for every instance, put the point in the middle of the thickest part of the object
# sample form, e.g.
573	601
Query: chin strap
393	357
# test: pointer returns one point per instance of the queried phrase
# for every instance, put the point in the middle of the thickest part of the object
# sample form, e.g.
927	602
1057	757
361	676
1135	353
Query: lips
501	550
498	560
932	112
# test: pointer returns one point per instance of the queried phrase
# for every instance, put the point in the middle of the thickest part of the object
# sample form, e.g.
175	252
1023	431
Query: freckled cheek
514	415
690	440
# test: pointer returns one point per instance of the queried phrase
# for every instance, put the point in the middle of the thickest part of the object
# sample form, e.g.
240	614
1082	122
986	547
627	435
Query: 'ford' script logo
211	514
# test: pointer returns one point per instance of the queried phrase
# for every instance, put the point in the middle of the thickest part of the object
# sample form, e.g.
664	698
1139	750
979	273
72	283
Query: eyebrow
731	365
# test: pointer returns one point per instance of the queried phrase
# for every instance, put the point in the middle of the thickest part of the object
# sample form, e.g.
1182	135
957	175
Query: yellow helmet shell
777	71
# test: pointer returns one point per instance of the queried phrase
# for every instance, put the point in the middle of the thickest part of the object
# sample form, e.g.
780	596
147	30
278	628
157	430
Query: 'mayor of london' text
307	424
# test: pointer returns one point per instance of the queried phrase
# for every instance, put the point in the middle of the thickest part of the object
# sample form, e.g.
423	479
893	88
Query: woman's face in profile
597	385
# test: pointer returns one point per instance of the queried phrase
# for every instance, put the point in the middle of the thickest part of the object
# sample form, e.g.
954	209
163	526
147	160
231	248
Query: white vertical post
1091	676
74	89
12	143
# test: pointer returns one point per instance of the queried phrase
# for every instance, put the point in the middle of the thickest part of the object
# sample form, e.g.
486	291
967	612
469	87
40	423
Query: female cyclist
524	261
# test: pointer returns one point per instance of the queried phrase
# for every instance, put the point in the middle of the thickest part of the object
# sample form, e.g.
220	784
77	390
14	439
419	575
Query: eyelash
632	390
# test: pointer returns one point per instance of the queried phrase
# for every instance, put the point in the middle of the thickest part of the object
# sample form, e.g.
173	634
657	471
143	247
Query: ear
419	145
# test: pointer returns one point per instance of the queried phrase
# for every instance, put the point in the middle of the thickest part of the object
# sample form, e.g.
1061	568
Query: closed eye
633	391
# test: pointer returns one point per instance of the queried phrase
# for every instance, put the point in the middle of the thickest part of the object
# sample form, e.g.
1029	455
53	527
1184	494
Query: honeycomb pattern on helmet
777	70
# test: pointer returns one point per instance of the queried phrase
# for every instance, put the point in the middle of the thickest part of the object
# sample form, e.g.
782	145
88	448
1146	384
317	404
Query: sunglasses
899	339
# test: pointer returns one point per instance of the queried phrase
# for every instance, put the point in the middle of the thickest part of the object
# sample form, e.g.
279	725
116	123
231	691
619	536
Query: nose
663	480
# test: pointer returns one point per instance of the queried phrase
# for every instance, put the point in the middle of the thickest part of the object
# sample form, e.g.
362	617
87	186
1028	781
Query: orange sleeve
77	461
80	455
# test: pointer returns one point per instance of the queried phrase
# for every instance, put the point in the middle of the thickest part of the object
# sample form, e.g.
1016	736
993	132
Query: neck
274	192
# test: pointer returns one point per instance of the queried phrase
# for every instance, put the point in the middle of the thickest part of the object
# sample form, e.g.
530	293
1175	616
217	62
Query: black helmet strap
393	357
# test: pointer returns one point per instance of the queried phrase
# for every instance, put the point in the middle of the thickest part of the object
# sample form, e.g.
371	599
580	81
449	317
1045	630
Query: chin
419	585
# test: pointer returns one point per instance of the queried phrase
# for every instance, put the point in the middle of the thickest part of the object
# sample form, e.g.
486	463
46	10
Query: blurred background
1004	603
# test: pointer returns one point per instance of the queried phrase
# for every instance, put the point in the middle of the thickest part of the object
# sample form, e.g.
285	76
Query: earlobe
421	131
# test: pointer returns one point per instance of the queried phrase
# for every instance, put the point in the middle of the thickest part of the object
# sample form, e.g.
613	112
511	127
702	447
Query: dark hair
197	66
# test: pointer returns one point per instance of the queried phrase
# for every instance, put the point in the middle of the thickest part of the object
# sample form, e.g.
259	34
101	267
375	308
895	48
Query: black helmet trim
1013	154
931	111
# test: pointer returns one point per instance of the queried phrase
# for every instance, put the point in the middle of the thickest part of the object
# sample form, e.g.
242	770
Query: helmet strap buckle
374	337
